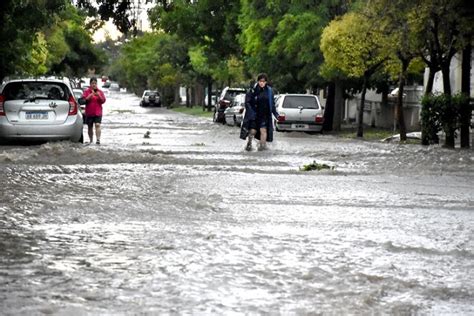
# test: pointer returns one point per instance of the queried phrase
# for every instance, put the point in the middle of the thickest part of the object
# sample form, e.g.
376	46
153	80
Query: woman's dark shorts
90	120
257	124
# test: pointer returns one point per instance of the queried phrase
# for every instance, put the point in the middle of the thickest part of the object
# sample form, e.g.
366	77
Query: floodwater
171	216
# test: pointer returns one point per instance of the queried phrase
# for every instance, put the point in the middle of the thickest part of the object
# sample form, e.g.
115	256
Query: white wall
455	73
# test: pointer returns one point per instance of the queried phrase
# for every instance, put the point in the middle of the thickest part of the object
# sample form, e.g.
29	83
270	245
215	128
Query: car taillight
241	110
2	102
224	103
72	106
319	119
281	118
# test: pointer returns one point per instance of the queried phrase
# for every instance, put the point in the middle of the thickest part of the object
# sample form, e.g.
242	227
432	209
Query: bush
441	112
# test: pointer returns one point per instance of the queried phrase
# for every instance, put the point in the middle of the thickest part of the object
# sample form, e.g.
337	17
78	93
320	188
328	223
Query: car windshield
294	102
35	90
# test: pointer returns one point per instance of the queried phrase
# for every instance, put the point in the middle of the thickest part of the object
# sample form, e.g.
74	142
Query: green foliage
354	45
20	22
70	48
282	38
45	37
209	28
116	10
197	111
152	61
441	113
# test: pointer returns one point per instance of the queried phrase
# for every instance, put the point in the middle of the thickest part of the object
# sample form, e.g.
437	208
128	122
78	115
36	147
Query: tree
20	22
154	60
117	10
356	47
445	29
283	39
466	110
399	22
208	27
69	44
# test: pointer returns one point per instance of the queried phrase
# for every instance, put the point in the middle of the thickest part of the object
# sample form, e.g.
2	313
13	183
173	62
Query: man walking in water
94	100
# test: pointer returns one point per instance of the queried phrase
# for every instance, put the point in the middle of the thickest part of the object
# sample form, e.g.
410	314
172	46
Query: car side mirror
81	101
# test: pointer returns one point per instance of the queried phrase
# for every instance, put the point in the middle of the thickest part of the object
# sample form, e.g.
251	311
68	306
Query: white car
299	112
225	99
40	109
150	98
78	94
234	113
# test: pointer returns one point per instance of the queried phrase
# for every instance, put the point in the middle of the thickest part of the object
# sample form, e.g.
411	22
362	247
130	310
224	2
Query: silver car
299	112
40	109
78	93
233	114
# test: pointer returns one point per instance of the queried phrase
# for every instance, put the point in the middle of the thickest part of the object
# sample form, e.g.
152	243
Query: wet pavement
170	215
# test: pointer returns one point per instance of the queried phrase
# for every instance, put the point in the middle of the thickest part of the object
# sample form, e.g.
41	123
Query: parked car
114	86
226	97
78	95
213	99
233	113
40	109
150	98
299	112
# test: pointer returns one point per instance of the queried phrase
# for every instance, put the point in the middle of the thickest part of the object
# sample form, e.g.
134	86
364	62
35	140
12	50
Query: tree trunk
200	94
466	89
401	87
446	82
329	109
188	102
209	94
177	97
425	139
338	106
193	94
429	84
360	126
449	140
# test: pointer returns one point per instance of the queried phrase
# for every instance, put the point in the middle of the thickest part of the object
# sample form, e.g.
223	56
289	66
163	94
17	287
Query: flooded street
169	215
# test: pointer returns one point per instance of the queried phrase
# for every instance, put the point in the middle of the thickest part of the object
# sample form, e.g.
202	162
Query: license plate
36	115
299	126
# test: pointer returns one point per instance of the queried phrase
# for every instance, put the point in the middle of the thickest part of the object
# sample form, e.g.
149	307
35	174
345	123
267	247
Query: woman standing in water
259	112
94	100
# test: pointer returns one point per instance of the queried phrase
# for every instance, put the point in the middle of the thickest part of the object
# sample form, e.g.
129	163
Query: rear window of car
36	89
240	97
230	94
294	102
151	93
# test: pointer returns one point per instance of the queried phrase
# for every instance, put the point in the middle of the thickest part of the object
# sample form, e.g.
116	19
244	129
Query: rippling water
187	222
